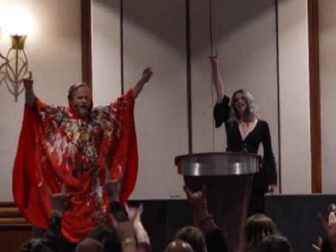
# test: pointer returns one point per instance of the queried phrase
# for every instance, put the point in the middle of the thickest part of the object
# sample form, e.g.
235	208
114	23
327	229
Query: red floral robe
57	147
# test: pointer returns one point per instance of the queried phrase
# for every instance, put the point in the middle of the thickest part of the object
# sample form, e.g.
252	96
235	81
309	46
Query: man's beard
83	111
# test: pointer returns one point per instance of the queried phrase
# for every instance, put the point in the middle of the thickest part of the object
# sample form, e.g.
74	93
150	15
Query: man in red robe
75	146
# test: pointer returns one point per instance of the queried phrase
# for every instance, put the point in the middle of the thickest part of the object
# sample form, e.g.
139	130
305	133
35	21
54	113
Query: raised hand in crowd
59	202
328	244
318	245
199	204
214	237
52	239
140	232
113	188
126	233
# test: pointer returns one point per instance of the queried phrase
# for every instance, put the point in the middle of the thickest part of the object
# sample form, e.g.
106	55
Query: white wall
154	35
327	27
106	76
294	97
54	52
157	38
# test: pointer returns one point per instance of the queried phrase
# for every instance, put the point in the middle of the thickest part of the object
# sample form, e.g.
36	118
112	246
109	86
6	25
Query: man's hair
193	236
73	88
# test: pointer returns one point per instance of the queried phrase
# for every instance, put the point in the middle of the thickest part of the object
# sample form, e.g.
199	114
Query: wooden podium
228	177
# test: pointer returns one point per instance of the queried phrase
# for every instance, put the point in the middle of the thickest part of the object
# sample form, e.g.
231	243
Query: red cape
32	197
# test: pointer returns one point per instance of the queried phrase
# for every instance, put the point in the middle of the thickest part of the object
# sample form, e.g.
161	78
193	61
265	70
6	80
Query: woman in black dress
245	131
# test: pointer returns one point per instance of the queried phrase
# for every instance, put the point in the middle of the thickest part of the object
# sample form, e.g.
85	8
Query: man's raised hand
28	81
147	74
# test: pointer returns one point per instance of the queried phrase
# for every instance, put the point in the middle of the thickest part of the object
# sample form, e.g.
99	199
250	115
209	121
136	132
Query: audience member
215	240
274	243
193	236
126	234
52	240
328	244
179	246
257	227
90	245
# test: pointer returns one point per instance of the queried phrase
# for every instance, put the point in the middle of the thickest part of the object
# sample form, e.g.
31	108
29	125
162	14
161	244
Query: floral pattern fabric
58	148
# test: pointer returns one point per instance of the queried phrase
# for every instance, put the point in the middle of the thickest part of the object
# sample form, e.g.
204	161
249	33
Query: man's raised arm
146	75
29	92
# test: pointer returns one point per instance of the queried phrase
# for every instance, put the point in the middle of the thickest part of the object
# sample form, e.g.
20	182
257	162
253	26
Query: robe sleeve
125	160
33	175
25	186
222	111
268	158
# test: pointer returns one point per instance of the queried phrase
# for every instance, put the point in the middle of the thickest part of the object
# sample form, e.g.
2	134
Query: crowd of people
125	232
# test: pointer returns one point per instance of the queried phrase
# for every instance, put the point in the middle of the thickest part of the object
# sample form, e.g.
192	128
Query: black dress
260	134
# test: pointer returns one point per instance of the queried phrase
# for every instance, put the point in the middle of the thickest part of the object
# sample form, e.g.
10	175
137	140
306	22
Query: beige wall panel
106	70
154	35
294	97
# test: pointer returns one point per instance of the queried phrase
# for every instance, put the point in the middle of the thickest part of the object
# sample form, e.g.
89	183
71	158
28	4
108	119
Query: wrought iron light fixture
14	66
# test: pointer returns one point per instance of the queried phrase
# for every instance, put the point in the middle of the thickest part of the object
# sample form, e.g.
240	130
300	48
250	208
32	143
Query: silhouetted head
89	245
108	237
193	236
178	246
274	243
257	227
35	245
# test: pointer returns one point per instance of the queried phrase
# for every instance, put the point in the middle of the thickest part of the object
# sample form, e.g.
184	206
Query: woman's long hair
251	112
257	227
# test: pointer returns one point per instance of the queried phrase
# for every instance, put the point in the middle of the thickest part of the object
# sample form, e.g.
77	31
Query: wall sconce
15	66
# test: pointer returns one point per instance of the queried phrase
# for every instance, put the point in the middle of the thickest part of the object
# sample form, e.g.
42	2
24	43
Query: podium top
218	164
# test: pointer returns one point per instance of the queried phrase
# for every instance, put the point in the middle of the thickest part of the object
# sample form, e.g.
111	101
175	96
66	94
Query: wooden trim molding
86	42
315	103
14	229
10	216
189	81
